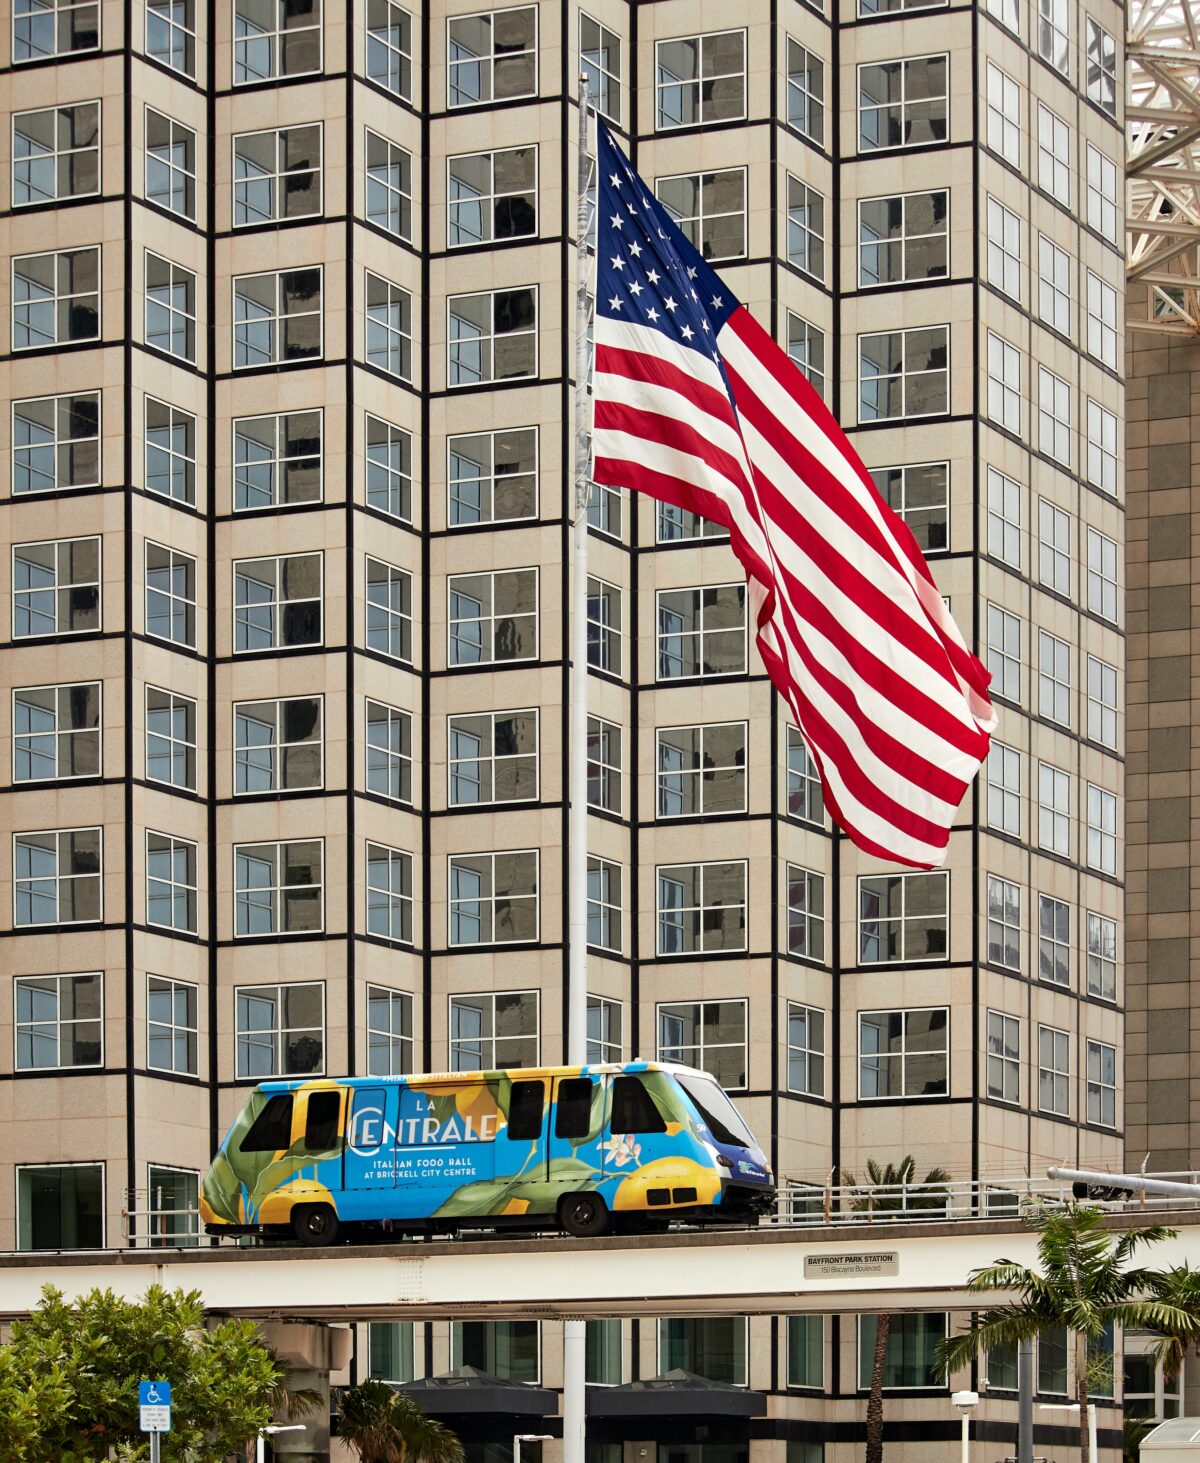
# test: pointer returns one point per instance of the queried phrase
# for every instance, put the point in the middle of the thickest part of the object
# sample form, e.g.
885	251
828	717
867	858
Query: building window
276	460
494	898
806	346
170	451
603	626
701	908
493	1031
701	632
1101	68
57	877
493	758
1003	1057
389	186
1052	1362
506	1349
1003	383
604	509
805	92
56	443
904	373
1101	957
56	154
679	525
55	298
277	745
805	1060
493	476
278	888
170	595
171	165
805	914
604	1020
1102	576
1054	940
708	1035
1054	416
603	904
389	48
1003	249
389	610
389	752
1004	789
276	317
172	1029
603	1365
701	770
59	1021
1003	115
1003	654
805	795
1101	178
56	732
1054	548
1007	12
1054	678
170	883
806	1354
170	739
903	918
1054	33
1101	321
389	469
1054	810
174	1217
902	238
920	494
911	1357
491	196
1101	702
1101	830
493	617
280	1030
170	308
390	912
492	336
902	103
1054	156
56	587
713	1347
276	175
604	765
806	228
1054	1071
1003	518
1054	286
710	209
492	56
61	1207
1101	448
54	28
171	34
700	79
276	603
903	1053
275	38
1101	1084
1003	923
600	61
389	1035
389	327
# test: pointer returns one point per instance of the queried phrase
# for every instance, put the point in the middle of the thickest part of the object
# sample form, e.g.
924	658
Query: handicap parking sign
154	1406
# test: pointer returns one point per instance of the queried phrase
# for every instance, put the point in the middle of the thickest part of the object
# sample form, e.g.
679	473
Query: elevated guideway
786	1268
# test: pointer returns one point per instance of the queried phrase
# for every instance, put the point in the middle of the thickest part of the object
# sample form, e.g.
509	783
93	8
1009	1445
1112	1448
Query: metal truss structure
1162	119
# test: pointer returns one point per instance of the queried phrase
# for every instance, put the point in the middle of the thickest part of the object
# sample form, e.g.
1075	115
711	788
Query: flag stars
635	288
653	276
614	180
718	303
687	332
616	302
670	304
691	272
635	249
652	315
617	221
618	262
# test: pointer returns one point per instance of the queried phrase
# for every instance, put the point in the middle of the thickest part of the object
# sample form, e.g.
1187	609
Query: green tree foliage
69	1375
384	1426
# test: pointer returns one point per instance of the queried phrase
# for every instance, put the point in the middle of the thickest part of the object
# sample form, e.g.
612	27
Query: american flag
696	405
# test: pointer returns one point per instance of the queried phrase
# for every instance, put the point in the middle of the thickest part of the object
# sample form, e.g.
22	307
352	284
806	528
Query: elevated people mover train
583	1148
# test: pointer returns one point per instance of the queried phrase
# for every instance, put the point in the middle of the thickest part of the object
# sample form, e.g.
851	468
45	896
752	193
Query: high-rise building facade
287	350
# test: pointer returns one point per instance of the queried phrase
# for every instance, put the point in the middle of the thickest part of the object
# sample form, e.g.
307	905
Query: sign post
154	1413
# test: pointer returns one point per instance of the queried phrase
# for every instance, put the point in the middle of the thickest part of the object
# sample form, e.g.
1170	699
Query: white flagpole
575	1332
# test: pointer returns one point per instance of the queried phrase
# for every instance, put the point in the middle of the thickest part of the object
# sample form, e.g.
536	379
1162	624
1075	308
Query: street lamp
966	1403
1093	1454
519	1438
288	1427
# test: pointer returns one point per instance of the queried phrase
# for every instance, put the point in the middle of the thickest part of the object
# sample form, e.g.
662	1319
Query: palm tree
1084	1284
385	1426
887	1190
1178	1291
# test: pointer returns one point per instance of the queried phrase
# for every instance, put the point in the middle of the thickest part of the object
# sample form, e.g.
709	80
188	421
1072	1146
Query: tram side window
525	1103
633	1109
321	1123
272	1128
573	1116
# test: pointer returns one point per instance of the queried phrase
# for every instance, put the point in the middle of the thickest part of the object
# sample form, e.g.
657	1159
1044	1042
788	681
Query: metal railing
149	1222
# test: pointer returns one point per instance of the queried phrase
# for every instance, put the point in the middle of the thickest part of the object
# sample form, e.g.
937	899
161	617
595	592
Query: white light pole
1093	1449
966	1403
519	1438
290	1427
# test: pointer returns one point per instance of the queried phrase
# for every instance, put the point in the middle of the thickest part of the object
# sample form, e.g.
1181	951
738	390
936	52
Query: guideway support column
311	1352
